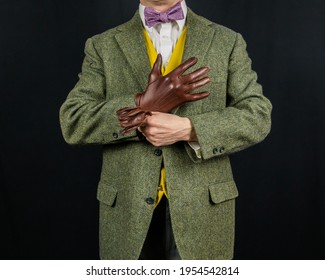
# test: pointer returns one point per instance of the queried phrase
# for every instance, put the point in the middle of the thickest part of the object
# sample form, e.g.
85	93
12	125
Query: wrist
190	134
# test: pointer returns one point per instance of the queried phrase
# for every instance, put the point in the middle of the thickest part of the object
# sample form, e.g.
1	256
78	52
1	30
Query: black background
48	206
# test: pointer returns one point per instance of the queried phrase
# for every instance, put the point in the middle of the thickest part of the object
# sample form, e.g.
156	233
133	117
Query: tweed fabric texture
201	192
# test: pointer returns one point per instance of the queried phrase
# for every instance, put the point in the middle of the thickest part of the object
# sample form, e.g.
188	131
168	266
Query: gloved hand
164	93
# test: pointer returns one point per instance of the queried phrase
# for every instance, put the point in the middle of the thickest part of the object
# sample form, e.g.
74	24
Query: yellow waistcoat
175	60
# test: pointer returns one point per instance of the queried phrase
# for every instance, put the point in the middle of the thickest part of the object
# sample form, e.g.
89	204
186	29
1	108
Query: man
166	189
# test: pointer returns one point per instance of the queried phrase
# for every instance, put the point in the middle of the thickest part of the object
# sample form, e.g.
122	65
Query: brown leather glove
164	93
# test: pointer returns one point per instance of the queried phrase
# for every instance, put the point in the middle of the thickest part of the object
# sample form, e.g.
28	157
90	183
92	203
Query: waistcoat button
150	200
158	152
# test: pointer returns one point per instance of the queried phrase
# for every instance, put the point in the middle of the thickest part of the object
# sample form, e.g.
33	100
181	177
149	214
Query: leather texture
164	93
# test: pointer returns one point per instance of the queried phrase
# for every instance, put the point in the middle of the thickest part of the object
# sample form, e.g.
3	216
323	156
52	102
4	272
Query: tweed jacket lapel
199	37
132	43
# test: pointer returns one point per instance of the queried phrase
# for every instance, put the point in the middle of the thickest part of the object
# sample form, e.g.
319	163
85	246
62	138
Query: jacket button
158	152
221	150
150	200
115	135
215	151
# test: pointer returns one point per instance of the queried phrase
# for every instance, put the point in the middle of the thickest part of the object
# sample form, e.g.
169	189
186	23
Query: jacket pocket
221	192
106	194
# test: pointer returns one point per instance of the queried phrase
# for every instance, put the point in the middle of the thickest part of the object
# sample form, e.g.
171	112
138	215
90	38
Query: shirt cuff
196	147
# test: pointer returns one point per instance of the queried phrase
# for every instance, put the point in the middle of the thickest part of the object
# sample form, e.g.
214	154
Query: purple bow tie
152	17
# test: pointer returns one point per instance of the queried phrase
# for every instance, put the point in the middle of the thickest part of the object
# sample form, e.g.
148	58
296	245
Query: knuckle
171	86
167	78
151	131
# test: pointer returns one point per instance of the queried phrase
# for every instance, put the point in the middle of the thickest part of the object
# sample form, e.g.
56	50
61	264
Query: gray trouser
160	243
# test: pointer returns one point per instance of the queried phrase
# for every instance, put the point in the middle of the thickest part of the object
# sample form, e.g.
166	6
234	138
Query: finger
136	120
134	125
123	110
184	66
158	63
127	113
129	116
197	84
197	96
156	69
142	128
128	130
195	75
130	123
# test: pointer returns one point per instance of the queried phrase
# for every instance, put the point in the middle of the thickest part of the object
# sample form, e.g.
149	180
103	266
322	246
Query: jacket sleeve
245	121
86	117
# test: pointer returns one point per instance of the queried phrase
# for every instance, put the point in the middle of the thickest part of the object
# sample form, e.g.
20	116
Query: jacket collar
132	43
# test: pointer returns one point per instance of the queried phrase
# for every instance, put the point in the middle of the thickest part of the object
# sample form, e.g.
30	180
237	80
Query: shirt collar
180	23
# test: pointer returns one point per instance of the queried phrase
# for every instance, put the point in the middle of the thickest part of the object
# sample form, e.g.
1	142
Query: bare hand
163	129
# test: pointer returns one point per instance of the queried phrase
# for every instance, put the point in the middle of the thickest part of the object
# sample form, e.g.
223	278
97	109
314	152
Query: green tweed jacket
201	191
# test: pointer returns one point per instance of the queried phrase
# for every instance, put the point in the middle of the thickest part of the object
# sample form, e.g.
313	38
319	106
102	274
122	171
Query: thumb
156	69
